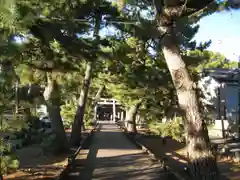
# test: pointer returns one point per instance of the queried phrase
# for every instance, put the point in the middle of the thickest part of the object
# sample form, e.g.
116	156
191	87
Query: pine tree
99	8
167	15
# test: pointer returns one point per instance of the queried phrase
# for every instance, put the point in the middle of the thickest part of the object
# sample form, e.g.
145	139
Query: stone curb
149	152
72	158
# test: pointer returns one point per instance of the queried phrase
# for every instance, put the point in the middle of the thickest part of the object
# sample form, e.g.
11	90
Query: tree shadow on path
108	159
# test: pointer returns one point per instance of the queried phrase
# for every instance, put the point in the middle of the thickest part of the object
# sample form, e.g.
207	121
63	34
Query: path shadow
82	165
122	167
133	165
125	167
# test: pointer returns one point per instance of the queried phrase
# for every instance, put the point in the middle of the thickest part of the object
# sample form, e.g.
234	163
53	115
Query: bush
12	125
48	143
67	124
8	160
68	112
88	117
172	128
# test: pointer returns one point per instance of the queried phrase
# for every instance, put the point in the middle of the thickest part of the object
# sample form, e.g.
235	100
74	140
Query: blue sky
222	28
224	31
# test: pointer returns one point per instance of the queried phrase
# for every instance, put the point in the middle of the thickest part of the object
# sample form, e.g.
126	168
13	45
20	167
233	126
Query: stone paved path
111	156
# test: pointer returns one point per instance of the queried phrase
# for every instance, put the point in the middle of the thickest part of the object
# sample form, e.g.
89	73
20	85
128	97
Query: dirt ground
34	165
175	155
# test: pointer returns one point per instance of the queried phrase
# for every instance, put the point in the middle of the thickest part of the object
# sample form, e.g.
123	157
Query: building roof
223	74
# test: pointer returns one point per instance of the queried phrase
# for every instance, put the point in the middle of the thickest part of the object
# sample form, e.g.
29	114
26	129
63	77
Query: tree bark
52	99
202	161
131	117
78	121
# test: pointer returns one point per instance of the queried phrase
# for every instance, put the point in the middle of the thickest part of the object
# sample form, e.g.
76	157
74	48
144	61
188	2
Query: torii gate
106	101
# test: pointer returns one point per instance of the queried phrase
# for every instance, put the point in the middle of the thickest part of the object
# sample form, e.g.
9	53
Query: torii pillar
114	111
95	113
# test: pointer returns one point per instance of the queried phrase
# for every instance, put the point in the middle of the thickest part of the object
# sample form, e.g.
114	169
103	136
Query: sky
224	30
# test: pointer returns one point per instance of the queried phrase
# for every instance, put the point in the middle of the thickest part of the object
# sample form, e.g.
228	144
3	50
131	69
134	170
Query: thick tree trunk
78	121
202	162
131	117
52	99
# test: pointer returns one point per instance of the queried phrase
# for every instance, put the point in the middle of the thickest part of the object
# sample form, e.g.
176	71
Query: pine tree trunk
52	99
78	121
202	162
131	117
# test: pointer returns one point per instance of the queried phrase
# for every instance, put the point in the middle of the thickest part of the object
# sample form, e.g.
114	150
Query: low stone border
149	152
72	158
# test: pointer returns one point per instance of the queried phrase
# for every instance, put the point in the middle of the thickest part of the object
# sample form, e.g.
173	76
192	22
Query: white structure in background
110	102
209	87
42	110
221	92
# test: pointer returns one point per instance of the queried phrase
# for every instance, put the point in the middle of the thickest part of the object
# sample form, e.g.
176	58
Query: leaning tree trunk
202	162
52	99
78	121
131	117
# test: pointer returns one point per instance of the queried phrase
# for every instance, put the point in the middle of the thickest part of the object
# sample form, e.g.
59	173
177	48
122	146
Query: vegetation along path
112	156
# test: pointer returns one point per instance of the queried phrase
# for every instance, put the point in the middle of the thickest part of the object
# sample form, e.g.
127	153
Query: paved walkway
111	156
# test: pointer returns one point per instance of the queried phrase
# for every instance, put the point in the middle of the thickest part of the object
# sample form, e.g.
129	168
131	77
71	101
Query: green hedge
172	128
8	160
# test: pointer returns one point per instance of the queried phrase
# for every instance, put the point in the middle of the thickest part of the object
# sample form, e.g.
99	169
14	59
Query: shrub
172	128
8	160
68	112
48	143
88	117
